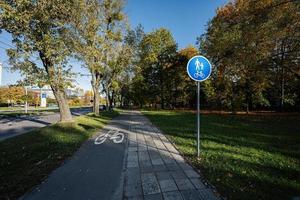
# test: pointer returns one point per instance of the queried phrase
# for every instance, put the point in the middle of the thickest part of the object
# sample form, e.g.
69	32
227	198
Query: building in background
75	92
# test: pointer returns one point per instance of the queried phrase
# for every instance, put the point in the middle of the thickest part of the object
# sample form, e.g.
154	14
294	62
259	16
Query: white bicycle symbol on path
115	135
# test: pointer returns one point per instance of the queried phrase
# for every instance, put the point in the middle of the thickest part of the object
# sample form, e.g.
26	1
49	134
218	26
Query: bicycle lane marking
113	134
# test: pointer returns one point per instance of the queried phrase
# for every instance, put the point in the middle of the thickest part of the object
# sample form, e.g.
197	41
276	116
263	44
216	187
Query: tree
113	62
88	96
12	94
184	88
132	89
115	72
96	31
158	50
88	44
250	42
40	33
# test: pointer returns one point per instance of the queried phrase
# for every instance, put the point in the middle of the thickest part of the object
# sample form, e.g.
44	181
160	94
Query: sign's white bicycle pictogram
115	135
199	74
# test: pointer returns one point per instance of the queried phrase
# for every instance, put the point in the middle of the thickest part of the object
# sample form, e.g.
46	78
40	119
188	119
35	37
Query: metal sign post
198	69
198	119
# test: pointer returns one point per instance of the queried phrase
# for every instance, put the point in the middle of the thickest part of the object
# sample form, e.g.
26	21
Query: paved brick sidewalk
154	168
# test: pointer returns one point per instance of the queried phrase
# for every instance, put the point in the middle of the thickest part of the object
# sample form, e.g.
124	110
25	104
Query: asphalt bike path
94	171
145	165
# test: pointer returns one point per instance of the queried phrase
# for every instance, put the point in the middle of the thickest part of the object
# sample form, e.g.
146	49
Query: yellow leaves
226	11
188	52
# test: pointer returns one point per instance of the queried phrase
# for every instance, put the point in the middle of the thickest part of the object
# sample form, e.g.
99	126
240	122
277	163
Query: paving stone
172	167
132	144
153	197
150	184
132	137
150	143
167	185
159	168
169	161
146	163
185	166
154	154
132	159
142	148
174	195
146	169
132	154
134	180
140	138
178	158
191	173
132	164
207	194
133	177
159	144
164	175
171	148
132	148
139	197
156	170
190	195
184	184
198	183
165	153
131	171
143	155
178	174
133	140
157	161
133	190
164	139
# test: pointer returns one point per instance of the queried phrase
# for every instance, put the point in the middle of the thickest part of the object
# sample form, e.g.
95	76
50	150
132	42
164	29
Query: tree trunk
162	98
107	98
96	99
64	109
122	99
110	98
282	79
96	76
58	90
113	98
282	90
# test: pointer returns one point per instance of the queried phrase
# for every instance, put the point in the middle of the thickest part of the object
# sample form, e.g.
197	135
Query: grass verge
27	159
245	157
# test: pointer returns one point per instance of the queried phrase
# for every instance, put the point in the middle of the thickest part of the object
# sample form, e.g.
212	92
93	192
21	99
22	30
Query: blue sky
186	19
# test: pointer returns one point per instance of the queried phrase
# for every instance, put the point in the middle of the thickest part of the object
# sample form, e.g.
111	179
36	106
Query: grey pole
198	118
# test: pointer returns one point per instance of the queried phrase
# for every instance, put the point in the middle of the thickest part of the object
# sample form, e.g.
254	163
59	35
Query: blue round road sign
198	68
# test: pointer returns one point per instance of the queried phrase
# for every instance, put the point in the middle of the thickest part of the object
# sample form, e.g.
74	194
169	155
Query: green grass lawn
245	157
27	159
